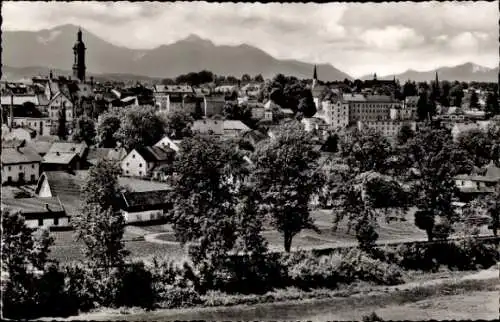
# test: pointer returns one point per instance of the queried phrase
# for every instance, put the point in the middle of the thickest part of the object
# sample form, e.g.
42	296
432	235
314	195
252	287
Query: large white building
388	128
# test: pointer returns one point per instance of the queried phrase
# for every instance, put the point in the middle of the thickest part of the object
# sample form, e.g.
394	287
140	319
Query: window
33	178
32	166
133	156
140	165
40	222
140	173
20	167
9	168
128	164
56	221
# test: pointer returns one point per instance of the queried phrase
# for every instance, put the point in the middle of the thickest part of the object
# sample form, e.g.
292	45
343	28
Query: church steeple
315	77
79	54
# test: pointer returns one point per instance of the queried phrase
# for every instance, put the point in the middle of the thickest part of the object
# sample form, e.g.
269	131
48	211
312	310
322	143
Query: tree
22	250
457	94
286	176
246	78
61	124
84	131
203	197
478	144
432	153
493	210
234	111
410	89
101	230
306	104
258	78
250	222
107	128
332	143
140	127
474	100
365	150
101	186
423	107
404	134
178	125
492	107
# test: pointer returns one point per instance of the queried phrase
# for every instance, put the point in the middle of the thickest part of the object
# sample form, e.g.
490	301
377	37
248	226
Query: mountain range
26	52
464	73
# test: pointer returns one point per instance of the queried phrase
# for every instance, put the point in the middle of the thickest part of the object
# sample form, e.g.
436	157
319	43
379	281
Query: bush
373	317
174	297
358	265
316	271
469	254
243	274
32	295
136	287
416	257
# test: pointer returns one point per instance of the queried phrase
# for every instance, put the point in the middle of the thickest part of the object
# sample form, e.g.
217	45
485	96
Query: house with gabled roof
471	186
20	165
167	142
67	188
140	162
65	156
39	212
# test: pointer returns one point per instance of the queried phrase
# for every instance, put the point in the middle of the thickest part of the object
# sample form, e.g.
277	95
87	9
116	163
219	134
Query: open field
162	242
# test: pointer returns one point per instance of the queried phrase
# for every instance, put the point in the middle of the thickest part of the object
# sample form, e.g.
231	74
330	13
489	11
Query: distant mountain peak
193	38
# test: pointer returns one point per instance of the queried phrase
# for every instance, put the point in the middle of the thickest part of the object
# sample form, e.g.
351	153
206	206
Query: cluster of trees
205	77
291	93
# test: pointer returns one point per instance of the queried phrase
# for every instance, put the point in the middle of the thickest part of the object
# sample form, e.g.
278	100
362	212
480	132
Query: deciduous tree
84	131
140	127
286	176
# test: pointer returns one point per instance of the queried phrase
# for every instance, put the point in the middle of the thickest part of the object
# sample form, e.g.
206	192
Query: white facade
48	222
387	128
140	216
134	165
40	125
166	142
27	172
335	114
56	104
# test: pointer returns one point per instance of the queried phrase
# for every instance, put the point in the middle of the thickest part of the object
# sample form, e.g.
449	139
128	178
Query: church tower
79	61
315	77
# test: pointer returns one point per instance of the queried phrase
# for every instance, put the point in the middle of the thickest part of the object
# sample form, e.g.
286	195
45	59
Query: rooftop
35	205
19	155
155	153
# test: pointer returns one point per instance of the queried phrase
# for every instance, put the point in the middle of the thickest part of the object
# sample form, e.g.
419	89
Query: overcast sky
358	38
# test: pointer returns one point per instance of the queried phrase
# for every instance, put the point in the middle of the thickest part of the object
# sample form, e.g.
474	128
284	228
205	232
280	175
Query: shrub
358	265
136	287
174	297
416	257
244	274
80	288
373	317
470	253
316	271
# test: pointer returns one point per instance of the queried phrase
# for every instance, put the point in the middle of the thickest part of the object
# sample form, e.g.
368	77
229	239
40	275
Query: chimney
47	207
92	81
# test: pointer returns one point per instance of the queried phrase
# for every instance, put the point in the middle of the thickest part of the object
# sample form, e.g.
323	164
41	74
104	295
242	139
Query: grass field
67	250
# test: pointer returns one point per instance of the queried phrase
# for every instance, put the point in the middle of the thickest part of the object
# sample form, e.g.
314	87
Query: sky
357	38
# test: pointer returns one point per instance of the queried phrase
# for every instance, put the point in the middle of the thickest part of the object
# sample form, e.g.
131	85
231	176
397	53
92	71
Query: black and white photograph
238	161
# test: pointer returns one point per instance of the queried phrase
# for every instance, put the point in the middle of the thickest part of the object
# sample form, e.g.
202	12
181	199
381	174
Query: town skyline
340	41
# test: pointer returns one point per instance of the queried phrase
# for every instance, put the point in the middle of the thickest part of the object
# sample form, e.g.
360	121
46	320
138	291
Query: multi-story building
369	107
335	113
387	128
